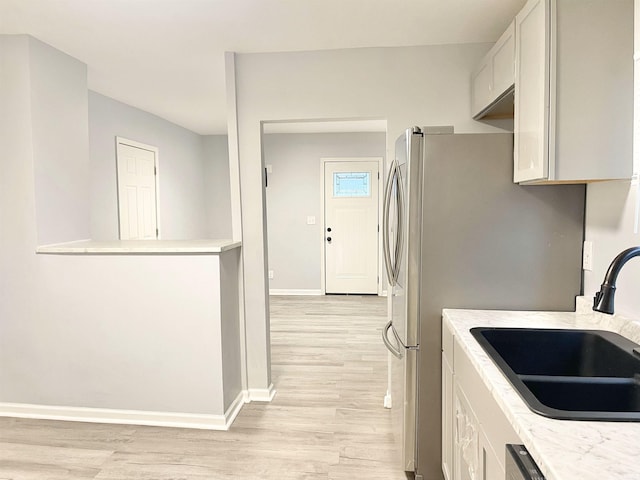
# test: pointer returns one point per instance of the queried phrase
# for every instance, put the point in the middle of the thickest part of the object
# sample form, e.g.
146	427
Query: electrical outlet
311	220
587	256
270	274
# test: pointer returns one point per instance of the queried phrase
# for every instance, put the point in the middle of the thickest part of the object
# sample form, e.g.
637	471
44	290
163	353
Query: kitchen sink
572	353
568	374
617	395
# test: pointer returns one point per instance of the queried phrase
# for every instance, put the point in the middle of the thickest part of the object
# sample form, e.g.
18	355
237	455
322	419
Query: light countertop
563	449
140	246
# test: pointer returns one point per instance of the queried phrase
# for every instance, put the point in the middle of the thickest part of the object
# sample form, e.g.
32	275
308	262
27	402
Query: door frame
143	146
323	161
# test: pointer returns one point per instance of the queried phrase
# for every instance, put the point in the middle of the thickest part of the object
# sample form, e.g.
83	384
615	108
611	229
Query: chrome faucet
603	300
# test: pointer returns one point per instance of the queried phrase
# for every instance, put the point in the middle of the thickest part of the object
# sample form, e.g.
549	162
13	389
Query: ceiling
334	126
167	56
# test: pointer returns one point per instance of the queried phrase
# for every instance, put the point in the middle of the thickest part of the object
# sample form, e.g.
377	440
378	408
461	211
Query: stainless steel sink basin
568	374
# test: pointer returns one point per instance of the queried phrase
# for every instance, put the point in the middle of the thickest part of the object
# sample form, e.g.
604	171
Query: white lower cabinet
447	420
474	429
467	444
492	468
474	456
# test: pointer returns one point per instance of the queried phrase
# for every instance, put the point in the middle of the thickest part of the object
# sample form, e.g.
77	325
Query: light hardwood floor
326	422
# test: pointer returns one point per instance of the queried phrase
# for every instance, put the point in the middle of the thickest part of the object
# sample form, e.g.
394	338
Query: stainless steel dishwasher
520	465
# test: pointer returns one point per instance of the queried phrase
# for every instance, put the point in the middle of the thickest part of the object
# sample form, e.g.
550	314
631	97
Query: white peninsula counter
563	449
140	246
140	332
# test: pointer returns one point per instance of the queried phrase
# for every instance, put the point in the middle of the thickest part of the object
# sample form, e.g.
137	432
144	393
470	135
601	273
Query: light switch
269	168
311	220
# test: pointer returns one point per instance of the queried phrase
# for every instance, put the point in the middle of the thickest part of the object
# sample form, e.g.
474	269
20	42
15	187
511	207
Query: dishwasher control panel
520	465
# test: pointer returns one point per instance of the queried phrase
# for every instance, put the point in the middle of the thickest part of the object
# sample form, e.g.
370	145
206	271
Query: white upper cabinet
531	115
573	115
493	80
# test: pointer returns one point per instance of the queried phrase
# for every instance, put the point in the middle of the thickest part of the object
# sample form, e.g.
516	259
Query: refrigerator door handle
399	223
395	351
399	341
385	225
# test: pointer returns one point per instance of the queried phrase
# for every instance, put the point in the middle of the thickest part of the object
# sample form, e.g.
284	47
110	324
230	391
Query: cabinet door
495	75
531	118
447	419
490	466
503	62
474	458
465	457
481	88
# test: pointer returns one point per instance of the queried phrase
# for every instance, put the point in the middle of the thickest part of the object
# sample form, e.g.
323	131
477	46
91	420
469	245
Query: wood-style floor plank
326	423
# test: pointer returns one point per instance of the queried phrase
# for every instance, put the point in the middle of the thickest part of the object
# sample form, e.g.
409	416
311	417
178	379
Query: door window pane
351	184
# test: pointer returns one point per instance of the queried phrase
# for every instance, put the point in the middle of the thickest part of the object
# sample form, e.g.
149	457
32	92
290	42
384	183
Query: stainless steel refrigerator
458	233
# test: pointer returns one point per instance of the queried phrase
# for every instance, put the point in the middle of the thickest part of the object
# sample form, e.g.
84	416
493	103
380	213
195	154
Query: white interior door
137	198
351	226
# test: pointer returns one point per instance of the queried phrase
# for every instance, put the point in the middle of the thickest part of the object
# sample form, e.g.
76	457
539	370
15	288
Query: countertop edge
140	247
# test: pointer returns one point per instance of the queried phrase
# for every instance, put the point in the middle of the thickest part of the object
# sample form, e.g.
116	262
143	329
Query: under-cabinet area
482	412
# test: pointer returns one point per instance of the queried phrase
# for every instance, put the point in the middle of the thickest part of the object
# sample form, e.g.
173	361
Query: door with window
351	226
137	196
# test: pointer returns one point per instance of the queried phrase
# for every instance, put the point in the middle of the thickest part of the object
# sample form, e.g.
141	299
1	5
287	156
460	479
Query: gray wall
181	164
150	343
488	244
72	333
294	193
60	143
230	326
217	187
18	238
427	85
612	215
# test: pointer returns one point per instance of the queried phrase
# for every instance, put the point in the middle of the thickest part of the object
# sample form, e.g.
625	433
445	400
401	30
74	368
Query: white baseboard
126	417
262	394
233	410
298	291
